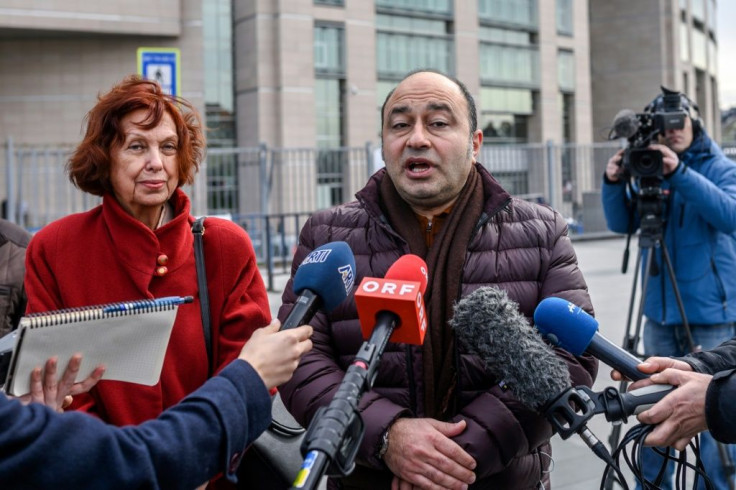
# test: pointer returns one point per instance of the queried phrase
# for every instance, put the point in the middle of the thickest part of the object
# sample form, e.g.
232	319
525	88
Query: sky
726	18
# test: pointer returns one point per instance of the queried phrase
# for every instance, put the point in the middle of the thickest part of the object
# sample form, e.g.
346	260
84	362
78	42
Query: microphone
568	326
323	279
625	124
488	323
398	299
392	304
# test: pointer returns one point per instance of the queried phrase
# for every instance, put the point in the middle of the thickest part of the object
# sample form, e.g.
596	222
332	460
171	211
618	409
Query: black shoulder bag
274	459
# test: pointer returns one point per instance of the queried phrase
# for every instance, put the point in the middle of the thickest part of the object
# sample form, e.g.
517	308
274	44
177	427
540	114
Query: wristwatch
384	444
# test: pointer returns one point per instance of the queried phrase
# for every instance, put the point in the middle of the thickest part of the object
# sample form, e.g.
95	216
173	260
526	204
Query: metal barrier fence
271	191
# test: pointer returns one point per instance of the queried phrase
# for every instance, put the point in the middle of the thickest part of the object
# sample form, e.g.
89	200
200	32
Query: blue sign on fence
162	65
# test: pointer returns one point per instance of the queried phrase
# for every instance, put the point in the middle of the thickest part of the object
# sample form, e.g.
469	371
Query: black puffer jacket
518	246
13	243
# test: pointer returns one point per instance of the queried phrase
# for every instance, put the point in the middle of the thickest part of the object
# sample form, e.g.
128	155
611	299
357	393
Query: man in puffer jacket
435	418
699	233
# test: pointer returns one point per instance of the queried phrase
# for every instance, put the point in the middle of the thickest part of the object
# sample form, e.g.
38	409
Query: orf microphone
323	279
398	297
568	326
394	302
625	124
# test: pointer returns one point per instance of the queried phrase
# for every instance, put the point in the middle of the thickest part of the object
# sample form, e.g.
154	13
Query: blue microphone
568	326
323	279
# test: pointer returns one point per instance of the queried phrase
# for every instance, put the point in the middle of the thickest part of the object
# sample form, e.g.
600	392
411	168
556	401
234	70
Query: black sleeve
719	358
720	410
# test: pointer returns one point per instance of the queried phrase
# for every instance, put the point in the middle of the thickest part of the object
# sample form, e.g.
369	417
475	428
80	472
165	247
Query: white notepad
129	338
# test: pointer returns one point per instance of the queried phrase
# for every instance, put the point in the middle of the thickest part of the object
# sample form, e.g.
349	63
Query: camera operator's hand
670	159
614	170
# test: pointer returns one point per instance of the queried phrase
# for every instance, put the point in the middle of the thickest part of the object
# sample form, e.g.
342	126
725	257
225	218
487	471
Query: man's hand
650	366
614	171
422	455
58	395
275	355
669	158
681	414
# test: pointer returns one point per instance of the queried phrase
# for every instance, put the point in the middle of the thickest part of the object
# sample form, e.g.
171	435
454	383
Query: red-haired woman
141	145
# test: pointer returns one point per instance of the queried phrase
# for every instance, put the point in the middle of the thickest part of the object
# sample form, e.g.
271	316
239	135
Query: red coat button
161	271
162	259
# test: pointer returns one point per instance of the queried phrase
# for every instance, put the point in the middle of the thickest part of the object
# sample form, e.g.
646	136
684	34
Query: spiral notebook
129	338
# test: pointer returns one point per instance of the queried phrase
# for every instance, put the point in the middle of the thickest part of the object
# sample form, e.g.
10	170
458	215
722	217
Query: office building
314	73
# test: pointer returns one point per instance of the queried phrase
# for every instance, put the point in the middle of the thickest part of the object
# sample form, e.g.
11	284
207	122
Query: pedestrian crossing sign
162	65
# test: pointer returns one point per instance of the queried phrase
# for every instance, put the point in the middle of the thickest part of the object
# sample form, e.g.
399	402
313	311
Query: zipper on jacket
428	232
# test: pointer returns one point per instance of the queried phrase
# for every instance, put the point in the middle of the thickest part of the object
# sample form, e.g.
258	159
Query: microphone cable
633	458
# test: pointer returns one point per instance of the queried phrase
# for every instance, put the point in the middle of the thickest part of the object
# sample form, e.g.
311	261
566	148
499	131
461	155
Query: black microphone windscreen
625	124
488	323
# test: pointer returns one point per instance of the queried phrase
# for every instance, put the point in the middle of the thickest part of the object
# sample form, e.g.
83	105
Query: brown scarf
445	260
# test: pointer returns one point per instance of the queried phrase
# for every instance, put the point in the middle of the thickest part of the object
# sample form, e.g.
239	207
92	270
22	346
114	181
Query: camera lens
646	164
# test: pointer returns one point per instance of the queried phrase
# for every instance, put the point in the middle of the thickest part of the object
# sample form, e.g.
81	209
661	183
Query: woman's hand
57	394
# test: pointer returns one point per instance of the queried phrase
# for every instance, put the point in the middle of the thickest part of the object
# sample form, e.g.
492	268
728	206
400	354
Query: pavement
575	466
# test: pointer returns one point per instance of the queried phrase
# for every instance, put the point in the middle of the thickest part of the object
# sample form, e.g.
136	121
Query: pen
137	305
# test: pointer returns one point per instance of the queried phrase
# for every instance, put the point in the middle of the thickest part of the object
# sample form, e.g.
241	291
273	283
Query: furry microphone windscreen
488	324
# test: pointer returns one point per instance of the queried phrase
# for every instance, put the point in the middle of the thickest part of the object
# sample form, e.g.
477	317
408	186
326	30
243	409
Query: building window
564	17
567	111
336	3
329	57
426	6
398	54
509	65
566	70
405	43
513	100
218	72
712	55
329	97
504	114
684	41
700	48
685	84
521	13
497	35
504	129
698	9
701	80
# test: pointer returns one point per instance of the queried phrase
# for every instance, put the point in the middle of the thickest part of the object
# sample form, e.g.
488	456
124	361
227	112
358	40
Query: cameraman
698	193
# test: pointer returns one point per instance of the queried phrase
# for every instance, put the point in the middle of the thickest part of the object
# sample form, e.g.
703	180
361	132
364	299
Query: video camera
667	111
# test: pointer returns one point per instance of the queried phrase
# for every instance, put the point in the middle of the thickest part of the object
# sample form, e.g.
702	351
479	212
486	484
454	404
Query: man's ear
477	143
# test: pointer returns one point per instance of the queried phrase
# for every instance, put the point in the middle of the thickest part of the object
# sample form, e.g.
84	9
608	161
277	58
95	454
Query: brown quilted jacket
518	246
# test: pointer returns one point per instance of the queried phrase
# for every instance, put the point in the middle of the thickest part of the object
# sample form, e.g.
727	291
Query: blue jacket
184	447
699	233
